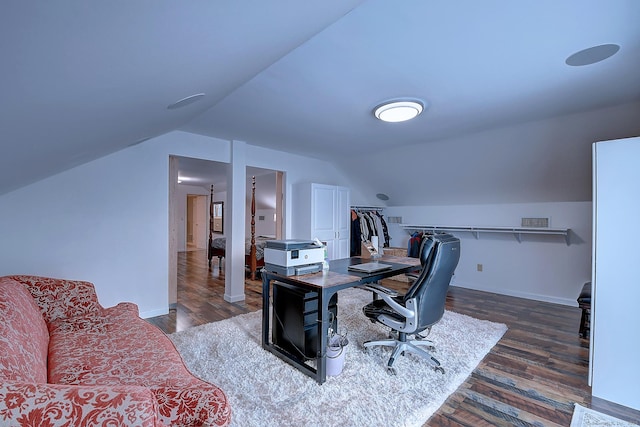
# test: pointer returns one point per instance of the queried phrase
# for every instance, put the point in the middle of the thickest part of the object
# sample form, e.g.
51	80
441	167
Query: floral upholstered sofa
66	360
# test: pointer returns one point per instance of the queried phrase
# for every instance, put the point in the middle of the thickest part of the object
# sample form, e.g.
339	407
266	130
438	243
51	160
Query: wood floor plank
532	377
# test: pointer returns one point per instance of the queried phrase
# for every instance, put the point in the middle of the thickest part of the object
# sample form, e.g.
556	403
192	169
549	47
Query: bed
254	247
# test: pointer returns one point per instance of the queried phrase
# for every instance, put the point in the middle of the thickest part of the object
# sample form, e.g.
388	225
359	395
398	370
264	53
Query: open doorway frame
174	223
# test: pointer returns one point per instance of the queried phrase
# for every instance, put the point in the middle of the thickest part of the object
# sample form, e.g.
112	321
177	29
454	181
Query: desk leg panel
266	296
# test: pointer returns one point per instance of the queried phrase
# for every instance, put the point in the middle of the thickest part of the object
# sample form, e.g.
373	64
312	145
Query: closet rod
367	208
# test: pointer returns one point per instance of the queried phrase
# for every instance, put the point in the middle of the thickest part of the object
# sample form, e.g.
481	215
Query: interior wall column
173	232
234	223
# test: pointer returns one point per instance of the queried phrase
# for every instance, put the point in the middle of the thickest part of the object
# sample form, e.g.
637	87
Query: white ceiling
81	80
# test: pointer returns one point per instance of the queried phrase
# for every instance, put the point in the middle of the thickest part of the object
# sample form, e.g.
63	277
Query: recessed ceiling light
398	110
592	55
186	101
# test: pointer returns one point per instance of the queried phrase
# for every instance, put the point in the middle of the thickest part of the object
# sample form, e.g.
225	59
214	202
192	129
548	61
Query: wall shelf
475	230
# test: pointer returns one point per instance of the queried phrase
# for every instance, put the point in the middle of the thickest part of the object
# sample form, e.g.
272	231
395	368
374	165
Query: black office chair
421	306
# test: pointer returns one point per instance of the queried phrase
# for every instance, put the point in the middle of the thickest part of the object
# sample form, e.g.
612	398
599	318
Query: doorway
199	175
196	233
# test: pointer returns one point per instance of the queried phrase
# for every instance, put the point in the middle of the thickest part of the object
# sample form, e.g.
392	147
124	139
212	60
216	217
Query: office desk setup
324	286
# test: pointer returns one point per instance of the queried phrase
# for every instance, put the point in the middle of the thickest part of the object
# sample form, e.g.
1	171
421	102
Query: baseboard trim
154	313
234	298
518	294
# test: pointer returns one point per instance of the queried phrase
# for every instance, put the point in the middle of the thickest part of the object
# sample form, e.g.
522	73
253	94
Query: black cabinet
295	319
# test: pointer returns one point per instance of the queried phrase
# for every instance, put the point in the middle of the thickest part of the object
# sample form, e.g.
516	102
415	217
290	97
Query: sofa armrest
122	310
195	404
53	404
62	298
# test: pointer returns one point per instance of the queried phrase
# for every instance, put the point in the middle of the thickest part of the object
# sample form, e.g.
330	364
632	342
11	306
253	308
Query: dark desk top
339	274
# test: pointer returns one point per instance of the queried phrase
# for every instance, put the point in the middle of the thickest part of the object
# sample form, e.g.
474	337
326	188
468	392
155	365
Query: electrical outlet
479	267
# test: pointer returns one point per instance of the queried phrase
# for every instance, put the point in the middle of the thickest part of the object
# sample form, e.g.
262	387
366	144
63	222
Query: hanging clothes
356	234
364	225
413	246
385	230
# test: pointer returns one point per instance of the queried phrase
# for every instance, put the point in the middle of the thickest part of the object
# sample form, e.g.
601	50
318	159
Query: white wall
107	221
616	291
540	267
297	169
265	226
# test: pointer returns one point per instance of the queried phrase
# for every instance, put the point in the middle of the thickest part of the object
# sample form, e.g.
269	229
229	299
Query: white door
323	201
200	234
343	224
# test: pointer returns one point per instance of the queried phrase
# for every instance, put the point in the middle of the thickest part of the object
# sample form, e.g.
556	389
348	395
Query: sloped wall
107	221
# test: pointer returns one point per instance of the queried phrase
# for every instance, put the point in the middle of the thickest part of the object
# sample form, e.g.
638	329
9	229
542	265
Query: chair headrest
431	248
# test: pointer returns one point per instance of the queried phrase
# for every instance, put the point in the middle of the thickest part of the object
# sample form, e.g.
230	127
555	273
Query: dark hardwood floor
532	377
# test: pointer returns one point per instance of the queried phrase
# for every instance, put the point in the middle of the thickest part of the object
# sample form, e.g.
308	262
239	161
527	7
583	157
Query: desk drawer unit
295	319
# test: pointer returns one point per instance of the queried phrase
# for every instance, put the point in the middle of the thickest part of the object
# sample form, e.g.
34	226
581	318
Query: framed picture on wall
218	217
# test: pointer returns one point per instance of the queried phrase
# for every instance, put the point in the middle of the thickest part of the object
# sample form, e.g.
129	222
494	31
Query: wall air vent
535	222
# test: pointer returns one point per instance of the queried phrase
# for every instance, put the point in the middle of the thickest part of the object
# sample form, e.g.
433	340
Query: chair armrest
54	404
377	288
387	295
61	298
413	276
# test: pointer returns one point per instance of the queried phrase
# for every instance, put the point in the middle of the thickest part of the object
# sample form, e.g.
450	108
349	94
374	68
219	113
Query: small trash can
336	349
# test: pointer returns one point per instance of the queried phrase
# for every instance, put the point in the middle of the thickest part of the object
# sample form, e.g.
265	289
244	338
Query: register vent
535	222
394	219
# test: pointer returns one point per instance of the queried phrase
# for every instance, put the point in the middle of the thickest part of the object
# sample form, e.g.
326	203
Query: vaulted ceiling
83	79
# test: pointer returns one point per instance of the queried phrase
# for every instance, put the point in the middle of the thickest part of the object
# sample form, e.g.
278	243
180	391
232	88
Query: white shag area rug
265	391
585	417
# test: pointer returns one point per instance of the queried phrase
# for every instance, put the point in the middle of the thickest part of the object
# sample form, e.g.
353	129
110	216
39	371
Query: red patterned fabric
23	335
49	405
61	299
91	346
132	351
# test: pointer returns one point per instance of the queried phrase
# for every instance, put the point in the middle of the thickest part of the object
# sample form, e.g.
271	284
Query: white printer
292	257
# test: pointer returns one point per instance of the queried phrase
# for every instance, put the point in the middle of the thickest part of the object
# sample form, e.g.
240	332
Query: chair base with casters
421	307
402	345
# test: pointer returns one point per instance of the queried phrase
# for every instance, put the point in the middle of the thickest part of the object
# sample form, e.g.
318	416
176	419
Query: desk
326	285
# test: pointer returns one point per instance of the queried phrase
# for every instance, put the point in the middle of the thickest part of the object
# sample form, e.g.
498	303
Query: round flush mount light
398	110
382	196
186	101
592	55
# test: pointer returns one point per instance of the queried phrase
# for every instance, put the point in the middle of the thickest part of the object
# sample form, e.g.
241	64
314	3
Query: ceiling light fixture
185	101
398	110
592	55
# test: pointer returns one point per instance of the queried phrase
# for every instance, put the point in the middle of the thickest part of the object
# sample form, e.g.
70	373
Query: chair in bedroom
421	306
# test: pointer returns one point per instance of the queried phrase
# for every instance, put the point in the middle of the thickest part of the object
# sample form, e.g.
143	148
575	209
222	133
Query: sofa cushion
24	339
61	298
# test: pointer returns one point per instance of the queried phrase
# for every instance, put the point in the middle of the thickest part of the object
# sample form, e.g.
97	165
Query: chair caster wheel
439	369
391	371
